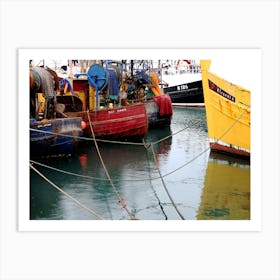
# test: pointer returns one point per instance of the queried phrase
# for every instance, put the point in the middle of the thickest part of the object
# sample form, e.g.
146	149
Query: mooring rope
68	172
92	177
121	200
194	158
233	124
65	193
163	183
208	148
189	125
154	191
86	138
147	145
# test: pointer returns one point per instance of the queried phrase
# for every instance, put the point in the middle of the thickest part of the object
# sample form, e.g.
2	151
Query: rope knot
146	145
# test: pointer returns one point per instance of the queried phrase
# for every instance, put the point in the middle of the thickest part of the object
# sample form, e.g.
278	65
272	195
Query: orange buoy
83	125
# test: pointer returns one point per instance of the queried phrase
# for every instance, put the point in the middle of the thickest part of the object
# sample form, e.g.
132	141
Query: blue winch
98	78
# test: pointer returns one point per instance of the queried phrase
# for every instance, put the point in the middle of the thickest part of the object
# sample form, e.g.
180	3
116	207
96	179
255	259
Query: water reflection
130	168
209	187
226	192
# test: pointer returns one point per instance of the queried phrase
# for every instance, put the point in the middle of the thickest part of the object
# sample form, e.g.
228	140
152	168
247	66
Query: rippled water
201	185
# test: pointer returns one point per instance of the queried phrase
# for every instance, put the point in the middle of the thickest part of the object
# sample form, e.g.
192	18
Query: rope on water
91	177
122	180
121	200
190	125
187	163
69	173
157	165
163	183
154	191
65	193
146	145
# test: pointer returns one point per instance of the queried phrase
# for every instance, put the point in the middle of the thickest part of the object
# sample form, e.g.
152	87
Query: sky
238	66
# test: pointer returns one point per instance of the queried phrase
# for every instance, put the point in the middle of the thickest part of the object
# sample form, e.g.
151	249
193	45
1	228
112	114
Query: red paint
124	122
83	160
228	150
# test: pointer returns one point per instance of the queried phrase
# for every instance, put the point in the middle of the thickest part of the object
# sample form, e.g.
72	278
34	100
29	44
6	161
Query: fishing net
47	81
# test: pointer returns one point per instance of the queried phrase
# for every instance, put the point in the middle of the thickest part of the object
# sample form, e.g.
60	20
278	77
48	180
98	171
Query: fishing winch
97	77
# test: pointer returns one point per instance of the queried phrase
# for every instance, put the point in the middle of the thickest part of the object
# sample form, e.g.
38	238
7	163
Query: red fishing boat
115	122
129	122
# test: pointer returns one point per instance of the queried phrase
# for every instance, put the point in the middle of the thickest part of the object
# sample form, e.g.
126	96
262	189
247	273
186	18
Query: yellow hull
227	113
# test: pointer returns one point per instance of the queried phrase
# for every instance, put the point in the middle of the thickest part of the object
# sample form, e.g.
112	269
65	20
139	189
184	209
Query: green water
135	177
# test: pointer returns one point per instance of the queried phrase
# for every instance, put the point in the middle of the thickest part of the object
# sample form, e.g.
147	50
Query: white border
225	63
126	256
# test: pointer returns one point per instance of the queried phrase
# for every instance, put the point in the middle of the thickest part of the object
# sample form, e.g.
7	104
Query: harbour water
202	185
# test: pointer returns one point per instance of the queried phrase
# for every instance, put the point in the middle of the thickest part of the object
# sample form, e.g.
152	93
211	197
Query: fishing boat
50	135
187	94
119	106
182	82
227	113
55	137
123	123
159	111
93	97
143	85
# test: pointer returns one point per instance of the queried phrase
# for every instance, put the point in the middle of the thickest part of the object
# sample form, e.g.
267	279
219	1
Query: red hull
118	123
215	147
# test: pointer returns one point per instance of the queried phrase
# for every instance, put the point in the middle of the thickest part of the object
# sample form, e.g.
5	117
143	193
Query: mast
159	73
131	68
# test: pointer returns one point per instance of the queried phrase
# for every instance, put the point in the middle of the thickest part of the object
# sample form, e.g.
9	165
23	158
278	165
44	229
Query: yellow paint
92	103
41	101
227	121
82	96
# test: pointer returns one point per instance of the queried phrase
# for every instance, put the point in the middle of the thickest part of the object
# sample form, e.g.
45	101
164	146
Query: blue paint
45	141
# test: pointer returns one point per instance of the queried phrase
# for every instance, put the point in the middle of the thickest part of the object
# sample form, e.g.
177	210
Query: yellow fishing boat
227	113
